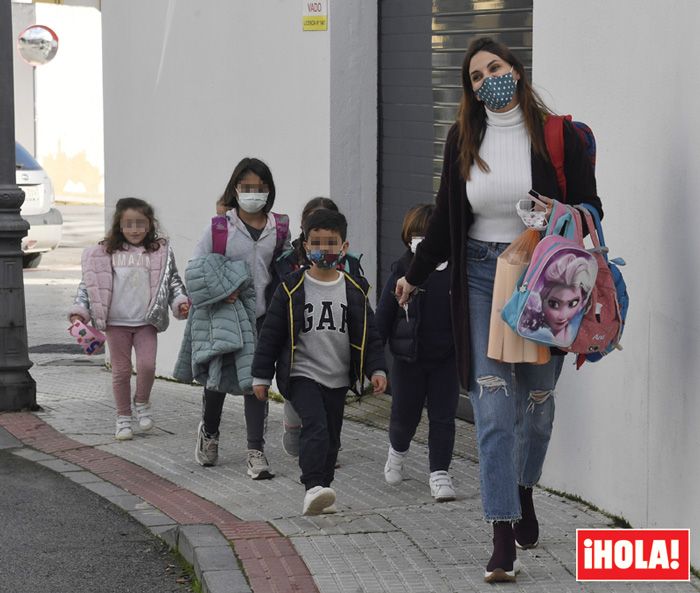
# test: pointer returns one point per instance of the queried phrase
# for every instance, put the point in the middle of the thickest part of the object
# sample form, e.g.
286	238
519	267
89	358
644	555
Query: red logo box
632	554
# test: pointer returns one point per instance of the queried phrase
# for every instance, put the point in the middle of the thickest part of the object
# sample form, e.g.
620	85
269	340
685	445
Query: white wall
69	133
192	87
627	432
23	75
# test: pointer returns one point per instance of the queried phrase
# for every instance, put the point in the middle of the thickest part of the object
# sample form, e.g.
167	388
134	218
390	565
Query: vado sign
315	15
632	555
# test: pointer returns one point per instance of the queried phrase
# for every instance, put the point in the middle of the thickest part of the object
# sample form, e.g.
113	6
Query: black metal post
17	388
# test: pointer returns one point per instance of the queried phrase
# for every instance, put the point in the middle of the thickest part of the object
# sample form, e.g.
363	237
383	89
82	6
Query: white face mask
252	203
414	243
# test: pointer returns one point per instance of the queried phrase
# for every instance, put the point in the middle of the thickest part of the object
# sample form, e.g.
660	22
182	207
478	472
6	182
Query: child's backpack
219	233
554	139
614	285
559	278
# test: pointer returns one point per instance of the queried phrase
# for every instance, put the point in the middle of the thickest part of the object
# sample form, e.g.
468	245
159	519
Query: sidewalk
384	538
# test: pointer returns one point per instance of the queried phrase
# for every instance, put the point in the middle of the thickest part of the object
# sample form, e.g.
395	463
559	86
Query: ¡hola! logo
632	555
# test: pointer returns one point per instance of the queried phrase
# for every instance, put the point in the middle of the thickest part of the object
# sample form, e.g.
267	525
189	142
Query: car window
24	160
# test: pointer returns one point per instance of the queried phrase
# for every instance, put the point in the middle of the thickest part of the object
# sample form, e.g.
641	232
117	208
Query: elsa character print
553	313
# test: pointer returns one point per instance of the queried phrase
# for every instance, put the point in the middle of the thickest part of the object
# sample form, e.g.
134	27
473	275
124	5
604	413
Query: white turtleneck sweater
493	195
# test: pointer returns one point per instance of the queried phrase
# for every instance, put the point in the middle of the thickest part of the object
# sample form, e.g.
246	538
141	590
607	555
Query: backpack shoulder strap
554	139
282	230
219	234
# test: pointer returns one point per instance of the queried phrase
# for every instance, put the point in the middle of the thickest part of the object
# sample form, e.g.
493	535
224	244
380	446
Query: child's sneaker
123	432
143	416
441	486
258	467
206	452
317	499
393	470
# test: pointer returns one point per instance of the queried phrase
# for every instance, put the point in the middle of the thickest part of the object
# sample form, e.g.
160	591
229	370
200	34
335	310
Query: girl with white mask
248	232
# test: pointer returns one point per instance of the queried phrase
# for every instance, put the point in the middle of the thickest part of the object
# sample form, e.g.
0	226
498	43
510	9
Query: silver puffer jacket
94	294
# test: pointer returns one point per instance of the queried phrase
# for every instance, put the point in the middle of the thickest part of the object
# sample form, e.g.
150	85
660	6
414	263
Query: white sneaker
258	466
330	510
317	499
123	431
143	415
441	486
206	451
393	469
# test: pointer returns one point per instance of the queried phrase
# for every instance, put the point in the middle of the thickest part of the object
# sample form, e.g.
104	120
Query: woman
494	154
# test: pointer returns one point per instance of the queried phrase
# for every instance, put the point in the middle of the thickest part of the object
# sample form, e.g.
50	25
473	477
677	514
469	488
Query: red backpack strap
282	229
554	139
219	234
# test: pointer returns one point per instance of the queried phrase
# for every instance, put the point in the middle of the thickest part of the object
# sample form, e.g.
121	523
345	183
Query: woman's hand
233	297
184	309
403	290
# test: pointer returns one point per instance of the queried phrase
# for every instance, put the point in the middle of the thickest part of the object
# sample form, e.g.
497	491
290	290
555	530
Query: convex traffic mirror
37	45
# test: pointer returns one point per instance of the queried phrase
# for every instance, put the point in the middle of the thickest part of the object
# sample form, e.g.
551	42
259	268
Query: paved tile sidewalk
384	539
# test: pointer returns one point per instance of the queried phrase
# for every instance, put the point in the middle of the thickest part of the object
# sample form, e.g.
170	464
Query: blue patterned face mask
325	260
497	91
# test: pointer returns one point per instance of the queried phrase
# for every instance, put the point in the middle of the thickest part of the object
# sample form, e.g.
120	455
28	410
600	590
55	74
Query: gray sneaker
258	467
206	452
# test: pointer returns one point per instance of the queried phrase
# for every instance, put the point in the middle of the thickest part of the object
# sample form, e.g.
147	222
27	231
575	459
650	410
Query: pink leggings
120	340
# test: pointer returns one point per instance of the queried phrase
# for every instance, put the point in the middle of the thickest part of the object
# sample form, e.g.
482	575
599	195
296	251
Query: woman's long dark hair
115	239
471	120
311	206
256	166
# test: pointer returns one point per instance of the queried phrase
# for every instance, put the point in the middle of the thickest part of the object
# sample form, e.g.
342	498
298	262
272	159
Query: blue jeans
513	403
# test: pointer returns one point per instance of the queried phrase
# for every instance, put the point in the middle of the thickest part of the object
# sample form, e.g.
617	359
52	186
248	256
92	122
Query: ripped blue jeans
513	403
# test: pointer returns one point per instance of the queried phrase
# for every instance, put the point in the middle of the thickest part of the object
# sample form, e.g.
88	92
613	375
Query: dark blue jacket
274	354
427	335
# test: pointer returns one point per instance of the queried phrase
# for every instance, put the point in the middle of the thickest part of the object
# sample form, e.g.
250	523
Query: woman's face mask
414	243
252	202
497	91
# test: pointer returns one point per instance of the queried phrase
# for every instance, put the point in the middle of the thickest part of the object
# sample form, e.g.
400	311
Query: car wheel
31	260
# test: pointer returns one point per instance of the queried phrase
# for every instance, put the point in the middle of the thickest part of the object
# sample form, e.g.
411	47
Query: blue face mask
497	91
325	260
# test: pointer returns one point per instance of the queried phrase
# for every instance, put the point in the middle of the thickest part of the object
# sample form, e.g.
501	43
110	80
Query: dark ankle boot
527	530
502	565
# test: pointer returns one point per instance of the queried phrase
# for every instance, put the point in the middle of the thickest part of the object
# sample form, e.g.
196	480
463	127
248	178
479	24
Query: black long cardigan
446	237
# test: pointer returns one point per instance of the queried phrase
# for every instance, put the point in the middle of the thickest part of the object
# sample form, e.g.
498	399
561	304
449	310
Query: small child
252	233
424	366
129	280
290	261
333	344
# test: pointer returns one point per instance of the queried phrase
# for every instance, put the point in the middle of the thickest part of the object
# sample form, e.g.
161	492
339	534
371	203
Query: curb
229	555
202	546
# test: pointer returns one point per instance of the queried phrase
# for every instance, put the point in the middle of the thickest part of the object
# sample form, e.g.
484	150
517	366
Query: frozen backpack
608	320
553	294
219	233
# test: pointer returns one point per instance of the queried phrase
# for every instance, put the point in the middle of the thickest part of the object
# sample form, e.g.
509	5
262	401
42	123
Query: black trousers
255	412
411	385
321	411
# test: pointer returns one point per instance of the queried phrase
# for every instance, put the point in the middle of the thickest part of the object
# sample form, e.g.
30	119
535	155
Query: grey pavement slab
224	581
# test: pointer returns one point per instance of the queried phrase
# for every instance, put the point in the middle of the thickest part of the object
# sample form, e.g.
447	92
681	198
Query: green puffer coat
219	342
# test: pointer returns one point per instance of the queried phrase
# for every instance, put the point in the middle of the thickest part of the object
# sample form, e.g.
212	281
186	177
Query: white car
38	208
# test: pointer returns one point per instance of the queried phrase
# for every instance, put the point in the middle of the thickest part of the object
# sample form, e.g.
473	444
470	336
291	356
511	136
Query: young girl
424	367
254	234
290	261
129	280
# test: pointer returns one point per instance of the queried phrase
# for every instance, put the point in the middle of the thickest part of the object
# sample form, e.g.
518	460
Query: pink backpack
552	297
602	323
219	233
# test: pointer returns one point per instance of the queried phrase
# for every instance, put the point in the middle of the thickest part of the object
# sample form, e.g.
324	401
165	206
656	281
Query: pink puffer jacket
94	295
